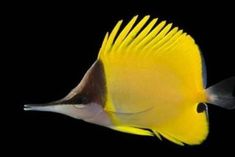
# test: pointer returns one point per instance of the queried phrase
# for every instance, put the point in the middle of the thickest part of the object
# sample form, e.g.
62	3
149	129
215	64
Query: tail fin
222	93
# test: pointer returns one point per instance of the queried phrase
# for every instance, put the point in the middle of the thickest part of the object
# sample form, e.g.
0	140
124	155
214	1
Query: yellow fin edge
132	130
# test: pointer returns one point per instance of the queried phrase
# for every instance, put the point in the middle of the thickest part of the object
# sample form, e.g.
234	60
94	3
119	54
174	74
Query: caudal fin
222	93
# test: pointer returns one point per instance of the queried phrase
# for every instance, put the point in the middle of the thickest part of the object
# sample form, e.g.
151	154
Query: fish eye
201	107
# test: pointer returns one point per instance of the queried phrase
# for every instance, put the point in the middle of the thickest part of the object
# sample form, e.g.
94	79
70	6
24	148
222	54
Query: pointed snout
67	109
38	107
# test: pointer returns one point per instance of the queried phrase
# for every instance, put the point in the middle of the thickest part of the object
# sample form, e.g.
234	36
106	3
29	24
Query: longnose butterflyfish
149	79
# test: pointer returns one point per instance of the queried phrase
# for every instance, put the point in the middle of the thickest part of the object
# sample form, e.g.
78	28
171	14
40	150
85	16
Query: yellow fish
149	79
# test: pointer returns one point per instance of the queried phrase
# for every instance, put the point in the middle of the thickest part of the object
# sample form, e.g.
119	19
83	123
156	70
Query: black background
55	43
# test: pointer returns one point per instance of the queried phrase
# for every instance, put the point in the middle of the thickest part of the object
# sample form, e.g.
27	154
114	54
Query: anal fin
133	130
172	139
157	134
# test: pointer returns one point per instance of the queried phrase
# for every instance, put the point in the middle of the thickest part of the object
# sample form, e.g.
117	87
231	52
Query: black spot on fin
201	107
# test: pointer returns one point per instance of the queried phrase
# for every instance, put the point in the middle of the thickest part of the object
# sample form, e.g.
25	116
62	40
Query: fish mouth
30	107
37	107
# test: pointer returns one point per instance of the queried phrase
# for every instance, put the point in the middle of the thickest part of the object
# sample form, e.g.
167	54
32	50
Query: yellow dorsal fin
131	40
132	34
124	33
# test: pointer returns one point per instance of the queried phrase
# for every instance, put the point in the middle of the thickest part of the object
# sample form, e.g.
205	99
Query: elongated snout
39	107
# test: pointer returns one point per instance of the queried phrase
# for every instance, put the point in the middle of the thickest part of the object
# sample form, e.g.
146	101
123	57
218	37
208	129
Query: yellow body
154	81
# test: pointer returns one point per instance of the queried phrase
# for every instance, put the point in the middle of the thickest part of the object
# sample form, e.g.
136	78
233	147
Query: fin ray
150	36
112	36
132	130
132	34
163	32
143	34
221	94
124	33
